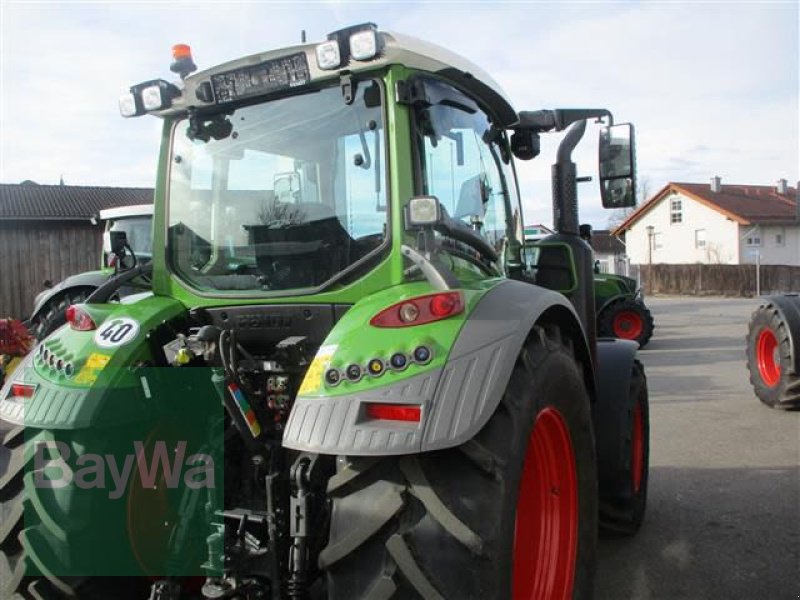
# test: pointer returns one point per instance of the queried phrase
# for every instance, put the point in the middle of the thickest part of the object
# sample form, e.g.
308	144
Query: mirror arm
439	276
463	233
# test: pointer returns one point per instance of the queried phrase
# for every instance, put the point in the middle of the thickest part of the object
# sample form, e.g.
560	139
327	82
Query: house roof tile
605	243
31	201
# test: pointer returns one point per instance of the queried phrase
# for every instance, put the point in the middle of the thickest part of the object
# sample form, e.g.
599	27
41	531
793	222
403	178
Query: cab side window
461	163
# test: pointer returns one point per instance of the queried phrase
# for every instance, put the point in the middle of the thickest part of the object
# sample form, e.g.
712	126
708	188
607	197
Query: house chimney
716	184
797	202
782	187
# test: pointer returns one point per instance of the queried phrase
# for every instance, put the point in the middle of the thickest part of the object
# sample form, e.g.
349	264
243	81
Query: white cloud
712	88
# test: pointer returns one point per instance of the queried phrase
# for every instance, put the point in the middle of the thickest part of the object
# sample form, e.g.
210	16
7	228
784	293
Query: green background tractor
346	382
49	306
621	311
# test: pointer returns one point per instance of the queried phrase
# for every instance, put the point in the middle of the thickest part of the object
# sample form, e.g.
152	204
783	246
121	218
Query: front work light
151	98
364	45
423	211
127	106
147	96
328	56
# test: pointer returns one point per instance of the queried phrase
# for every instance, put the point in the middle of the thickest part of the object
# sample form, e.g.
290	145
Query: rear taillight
79	319
394	412
22	390
420	310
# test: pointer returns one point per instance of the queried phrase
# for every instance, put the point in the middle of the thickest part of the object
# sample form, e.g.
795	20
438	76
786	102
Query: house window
676	211
780	237
754	239
699	238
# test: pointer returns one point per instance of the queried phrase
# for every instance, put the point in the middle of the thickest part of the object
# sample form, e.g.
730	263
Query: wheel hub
768	358
546	531
628	325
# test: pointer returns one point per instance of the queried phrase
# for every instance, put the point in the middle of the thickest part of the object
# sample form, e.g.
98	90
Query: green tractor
621	311
130	229
619	302
346	383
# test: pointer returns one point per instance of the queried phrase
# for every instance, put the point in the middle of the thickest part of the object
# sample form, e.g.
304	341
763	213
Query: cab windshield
284	195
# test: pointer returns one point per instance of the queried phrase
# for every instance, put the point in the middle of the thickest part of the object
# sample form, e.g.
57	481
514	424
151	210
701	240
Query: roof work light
360	42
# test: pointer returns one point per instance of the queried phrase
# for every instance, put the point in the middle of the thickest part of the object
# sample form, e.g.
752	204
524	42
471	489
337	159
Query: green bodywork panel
354	341
76	401
608	286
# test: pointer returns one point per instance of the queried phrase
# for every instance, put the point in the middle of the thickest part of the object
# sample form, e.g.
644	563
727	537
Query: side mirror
617	166
119	240
287	187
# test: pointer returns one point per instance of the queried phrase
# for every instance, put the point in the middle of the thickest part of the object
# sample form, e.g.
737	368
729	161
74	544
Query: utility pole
650	230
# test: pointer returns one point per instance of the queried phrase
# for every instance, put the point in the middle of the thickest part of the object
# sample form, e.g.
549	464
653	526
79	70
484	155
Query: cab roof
398	49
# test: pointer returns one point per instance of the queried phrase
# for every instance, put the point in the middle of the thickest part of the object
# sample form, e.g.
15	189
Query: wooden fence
34	251
722	280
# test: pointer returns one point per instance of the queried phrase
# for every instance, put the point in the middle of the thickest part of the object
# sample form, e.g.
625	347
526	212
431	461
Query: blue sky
711	87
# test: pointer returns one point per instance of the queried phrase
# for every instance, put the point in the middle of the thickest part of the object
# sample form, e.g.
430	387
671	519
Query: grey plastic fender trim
90	279
614	368
337	425
482	359
457	400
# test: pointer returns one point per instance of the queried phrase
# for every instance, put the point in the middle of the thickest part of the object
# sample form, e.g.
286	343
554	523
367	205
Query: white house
609	252
688	223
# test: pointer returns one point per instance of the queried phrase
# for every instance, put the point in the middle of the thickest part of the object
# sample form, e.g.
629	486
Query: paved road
724	510
723	517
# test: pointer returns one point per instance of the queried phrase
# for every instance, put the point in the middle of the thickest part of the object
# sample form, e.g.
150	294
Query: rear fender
89	280
456	399
615	360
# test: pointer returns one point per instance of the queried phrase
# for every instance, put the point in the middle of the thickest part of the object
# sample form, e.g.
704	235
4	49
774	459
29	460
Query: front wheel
626	319
512	513
770	360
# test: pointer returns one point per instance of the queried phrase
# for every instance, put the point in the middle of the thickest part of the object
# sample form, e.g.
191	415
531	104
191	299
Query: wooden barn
48	232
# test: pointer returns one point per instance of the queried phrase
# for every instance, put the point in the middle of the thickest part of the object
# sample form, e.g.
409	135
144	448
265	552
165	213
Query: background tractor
621	311
772	339
346	382
50	305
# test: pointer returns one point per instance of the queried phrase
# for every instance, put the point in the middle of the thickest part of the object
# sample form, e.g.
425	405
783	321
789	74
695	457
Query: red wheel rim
628	325
769	366
637	448
546	530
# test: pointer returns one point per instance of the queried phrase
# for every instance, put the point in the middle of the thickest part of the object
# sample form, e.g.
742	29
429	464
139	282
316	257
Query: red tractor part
15	339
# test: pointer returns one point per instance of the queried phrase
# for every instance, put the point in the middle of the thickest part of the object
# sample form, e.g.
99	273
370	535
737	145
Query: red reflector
394	412
79	319
442	305
432	307
22	390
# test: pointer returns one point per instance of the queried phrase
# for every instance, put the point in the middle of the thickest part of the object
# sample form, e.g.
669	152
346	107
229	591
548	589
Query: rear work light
420	310
22	390
394	412
79	319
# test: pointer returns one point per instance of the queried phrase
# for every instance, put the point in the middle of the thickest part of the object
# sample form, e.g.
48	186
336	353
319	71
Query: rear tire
53	314
769	359
471	521
623	456
626	319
